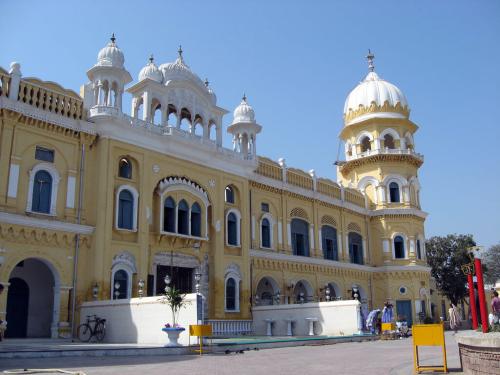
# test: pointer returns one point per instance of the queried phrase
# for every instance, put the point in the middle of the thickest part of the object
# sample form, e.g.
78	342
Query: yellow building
95	202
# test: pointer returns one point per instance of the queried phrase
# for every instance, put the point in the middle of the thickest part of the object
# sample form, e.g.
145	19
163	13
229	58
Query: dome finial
113	38
151	59
244	97
179	51
370	57
206	82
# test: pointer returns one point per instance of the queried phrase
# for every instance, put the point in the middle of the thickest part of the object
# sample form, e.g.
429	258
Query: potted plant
176	300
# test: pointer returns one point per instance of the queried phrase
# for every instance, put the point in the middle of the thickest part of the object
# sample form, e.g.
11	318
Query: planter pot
173	335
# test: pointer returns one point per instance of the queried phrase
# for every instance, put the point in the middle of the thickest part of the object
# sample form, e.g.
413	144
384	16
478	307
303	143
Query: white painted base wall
139	320
335	318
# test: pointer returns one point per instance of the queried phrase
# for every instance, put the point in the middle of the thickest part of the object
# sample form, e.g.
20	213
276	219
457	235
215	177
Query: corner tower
381	161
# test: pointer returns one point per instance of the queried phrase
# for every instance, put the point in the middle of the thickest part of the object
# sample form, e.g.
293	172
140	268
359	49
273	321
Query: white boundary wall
335	318
139	320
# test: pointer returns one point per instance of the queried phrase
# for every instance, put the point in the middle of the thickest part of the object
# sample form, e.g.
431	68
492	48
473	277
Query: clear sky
297	61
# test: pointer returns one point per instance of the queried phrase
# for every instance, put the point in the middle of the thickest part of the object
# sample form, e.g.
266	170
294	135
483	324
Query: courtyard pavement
376	357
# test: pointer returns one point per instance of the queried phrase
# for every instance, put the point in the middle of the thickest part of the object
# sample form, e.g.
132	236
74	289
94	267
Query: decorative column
3	301
64	328
482	298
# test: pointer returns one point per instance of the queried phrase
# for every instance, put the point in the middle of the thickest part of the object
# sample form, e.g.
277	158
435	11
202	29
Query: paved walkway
375	358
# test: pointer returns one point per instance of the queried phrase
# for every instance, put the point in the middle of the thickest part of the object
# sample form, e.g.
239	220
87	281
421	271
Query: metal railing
231	327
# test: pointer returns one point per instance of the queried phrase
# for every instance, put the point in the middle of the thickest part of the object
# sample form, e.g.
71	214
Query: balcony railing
230	327
385	151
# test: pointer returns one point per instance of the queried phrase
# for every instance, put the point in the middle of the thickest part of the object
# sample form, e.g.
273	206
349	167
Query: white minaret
108	78
244	129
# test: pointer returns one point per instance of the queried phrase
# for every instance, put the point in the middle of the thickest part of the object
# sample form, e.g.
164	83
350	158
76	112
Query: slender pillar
482	297
472	301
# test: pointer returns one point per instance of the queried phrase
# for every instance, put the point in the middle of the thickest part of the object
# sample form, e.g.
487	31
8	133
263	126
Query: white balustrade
230	327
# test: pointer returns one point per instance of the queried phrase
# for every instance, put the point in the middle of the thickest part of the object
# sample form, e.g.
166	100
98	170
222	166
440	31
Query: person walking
454	317
495	307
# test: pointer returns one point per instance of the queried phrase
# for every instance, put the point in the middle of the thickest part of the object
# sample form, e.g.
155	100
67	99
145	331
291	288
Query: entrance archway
268	292
33	300
303	292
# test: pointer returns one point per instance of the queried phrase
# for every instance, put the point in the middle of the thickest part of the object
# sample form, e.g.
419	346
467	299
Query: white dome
151	71
111	55
244	112
179	71
374	89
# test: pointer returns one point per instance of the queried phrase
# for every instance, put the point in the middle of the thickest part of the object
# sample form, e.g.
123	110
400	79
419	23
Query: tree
446	255
491	259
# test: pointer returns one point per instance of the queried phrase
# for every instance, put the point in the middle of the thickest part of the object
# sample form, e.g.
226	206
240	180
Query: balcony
386	151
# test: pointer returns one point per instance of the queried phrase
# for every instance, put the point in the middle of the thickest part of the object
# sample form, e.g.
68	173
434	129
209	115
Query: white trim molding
34	222
13	180
124	261
232	272
50	169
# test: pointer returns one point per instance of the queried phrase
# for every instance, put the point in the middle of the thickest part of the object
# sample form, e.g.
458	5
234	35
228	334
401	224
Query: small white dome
244	112
111	55
151	71
374	89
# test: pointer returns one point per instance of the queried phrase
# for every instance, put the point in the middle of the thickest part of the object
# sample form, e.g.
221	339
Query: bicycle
85	330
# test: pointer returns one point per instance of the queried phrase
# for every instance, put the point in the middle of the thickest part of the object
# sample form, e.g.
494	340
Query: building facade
99	204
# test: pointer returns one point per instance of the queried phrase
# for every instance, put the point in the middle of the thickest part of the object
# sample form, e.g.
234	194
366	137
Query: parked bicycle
87	330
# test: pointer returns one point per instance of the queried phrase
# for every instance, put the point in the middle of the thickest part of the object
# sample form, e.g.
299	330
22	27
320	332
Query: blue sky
297	61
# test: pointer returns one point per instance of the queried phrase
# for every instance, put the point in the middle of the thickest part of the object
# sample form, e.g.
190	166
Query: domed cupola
179	71
244	112
111	55
244	129
151	71
374	97
211	92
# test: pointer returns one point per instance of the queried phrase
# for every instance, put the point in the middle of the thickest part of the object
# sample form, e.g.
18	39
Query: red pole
482	296
472	301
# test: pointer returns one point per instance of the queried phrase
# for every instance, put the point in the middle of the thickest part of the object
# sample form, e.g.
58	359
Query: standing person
387	313
495	307
454	318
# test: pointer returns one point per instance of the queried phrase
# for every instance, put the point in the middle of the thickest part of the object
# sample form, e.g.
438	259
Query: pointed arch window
229	194
42	192
399	247
120	285
329	241
126	210
266	233
183	218
394	192
355	248
169	215
389	141
230	294
196	220
365	144
125	168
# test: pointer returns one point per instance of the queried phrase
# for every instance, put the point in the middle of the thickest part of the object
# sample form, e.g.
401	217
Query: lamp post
167	283
140	289
199	296
327	293
117	291
197	278
277	297
468	270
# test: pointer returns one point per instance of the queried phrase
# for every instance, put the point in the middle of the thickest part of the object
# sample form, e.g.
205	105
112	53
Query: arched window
394	192
232	229
120	285
388	141
329	239
399	247
196	220
355	248
125	168
419	250
300	237
169	215
266	233
230	294
183	218
126	210
229	194
42	192
365	144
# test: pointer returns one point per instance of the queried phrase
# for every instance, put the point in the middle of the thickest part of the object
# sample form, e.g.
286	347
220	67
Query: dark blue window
42	191
125	168
300	237
419	252
394	192
42	153
169	215
183	218
196	220
120	285
232	229
399	247
126	210
230	294
329	239
355	248
229	194
266	233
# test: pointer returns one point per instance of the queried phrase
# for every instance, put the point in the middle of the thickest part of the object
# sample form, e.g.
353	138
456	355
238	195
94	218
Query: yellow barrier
428	335
200	330
388	327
